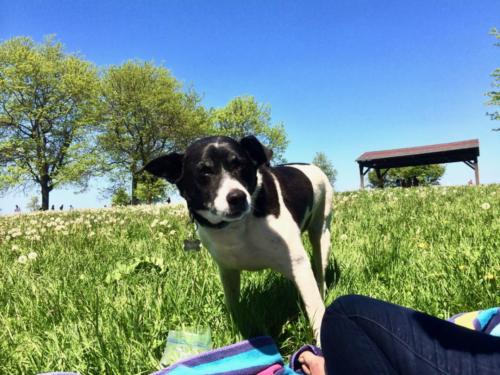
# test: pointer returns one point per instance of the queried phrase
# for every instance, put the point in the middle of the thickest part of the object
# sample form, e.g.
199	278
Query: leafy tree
120	197
495	94
151	189
145	113
322	161
33	204
47	104
422	175
243	116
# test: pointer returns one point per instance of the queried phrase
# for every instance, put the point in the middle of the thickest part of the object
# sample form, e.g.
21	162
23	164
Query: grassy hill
97	291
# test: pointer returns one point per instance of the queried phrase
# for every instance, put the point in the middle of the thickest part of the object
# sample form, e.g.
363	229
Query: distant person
61	207
71	207
168	199
52	208
470	183
17	209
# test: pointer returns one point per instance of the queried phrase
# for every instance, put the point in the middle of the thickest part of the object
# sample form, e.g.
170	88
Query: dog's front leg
231	283
303	277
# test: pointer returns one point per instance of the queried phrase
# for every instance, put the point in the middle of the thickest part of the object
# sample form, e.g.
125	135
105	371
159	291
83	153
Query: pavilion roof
421	155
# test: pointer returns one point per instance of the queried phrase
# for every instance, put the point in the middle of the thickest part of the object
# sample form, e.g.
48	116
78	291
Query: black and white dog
250	216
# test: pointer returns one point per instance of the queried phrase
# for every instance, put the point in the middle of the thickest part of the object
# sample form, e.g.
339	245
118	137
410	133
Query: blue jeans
362	335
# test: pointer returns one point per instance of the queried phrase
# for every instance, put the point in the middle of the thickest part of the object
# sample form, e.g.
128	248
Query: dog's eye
235	163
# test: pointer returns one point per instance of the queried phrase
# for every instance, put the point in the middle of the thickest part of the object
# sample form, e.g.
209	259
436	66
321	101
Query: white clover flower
343	237
32	255
15	248
172	232
23	259
485	206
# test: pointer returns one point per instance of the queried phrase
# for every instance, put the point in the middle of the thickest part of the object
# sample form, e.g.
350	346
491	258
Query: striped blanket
487	321
250	357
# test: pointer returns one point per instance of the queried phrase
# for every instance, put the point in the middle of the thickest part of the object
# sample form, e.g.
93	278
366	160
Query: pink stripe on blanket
270	370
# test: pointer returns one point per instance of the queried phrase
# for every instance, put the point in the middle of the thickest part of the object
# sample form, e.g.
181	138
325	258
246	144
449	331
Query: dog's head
216	175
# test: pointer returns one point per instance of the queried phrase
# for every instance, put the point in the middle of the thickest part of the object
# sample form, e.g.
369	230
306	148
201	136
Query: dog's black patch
297	191
266	202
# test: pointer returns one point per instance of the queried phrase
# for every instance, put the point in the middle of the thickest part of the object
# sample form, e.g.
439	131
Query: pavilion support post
474	165
361	178
380	178
476	170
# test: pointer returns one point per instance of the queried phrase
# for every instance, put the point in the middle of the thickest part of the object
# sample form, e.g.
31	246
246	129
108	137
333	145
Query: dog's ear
167	166
259	153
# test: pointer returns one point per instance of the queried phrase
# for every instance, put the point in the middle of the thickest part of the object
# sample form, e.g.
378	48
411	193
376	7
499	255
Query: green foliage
322	161
145	113
151	189
120	197
425	174
33	204
48	103
494	95
107	285
244	116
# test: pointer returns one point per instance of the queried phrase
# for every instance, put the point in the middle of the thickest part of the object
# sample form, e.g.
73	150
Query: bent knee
349	304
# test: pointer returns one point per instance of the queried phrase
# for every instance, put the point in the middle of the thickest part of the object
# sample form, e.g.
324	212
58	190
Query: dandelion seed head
32	255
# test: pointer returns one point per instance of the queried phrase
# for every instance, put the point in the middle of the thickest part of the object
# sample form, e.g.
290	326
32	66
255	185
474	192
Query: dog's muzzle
237	201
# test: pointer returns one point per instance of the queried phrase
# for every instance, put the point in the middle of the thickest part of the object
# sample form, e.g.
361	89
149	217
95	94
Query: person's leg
361	335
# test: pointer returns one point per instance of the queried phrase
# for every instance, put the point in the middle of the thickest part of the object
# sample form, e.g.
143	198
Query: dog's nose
237	199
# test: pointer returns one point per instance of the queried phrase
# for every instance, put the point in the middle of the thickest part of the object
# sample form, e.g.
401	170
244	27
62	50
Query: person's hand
312	364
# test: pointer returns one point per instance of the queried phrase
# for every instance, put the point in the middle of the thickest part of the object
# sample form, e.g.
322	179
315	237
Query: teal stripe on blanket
485	316
251	358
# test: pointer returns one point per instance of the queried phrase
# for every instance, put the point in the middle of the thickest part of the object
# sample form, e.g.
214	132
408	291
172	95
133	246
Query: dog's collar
200	220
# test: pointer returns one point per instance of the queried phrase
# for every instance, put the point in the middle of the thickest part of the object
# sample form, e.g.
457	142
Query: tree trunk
133	198
45	192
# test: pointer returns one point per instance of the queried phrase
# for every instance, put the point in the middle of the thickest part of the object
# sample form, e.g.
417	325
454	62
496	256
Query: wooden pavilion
382	161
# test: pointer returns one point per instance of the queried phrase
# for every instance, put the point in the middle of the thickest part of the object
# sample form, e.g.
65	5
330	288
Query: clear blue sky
344	76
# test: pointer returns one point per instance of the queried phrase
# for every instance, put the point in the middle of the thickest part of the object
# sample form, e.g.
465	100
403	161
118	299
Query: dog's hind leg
320	236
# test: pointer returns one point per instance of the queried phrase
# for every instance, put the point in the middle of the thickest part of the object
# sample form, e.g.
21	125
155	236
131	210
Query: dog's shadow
268	303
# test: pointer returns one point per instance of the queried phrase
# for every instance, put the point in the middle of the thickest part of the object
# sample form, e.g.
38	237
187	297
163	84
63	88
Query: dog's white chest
254	243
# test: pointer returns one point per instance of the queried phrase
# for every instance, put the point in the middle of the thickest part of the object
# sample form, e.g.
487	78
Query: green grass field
97	291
